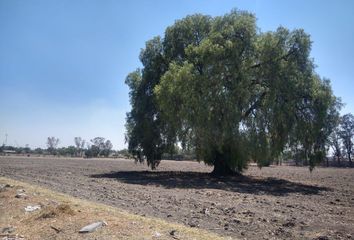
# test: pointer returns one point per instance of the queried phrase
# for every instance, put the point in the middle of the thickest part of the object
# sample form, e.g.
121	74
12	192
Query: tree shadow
199	180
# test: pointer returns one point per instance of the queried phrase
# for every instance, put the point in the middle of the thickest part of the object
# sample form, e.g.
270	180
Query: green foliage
346	132
80	145
231	93
124	153
92	151
144	126
38	151
100	147
67	151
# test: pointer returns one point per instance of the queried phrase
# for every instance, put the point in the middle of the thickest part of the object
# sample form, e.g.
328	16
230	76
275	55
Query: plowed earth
270	203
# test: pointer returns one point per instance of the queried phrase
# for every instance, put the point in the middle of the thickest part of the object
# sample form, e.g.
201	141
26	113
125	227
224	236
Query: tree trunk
350	159
221	168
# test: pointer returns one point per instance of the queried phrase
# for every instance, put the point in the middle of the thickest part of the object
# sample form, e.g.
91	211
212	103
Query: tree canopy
233	94
346	132
100	146
52	144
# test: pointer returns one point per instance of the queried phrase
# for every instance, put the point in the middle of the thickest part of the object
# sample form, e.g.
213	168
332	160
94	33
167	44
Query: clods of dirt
274	202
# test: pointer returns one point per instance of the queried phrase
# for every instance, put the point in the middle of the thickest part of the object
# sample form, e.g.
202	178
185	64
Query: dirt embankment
272	203
58	216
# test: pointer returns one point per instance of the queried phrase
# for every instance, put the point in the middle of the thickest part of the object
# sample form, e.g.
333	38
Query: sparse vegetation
63	216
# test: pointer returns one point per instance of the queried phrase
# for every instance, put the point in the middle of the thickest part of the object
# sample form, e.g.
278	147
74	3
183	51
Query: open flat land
272	203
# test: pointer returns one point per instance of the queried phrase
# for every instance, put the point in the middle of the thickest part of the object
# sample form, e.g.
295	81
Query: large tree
347	134
79	144
52	144
334	141
100	146
231	93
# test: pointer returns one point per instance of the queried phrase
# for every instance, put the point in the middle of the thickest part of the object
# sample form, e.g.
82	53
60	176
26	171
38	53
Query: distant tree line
340	146
340	142
96	147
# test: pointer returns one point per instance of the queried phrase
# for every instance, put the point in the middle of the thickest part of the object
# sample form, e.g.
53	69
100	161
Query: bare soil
272	203
60	217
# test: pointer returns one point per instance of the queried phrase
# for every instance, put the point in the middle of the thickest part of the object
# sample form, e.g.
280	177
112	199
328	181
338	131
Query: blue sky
63	63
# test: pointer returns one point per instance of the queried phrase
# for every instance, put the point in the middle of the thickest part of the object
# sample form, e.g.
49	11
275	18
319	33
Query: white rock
92	227
32	208
157	234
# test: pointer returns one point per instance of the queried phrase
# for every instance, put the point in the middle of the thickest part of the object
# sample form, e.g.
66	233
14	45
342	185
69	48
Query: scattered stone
3	186
32	208
93	227
21	195
321	238
173	232
13	237
279	231
235	220
226	226
193	224
289	224
7	230
157	234
249	213
205	211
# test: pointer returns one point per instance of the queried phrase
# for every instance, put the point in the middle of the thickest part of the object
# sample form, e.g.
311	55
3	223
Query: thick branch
255	105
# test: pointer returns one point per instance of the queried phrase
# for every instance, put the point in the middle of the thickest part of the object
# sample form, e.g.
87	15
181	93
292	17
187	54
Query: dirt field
272	203
60	217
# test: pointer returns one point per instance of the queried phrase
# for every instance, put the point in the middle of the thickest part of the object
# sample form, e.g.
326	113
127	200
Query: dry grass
62	216
55	211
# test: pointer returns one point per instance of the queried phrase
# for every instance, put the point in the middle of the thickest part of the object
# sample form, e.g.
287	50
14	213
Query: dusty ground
62	216
272	203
